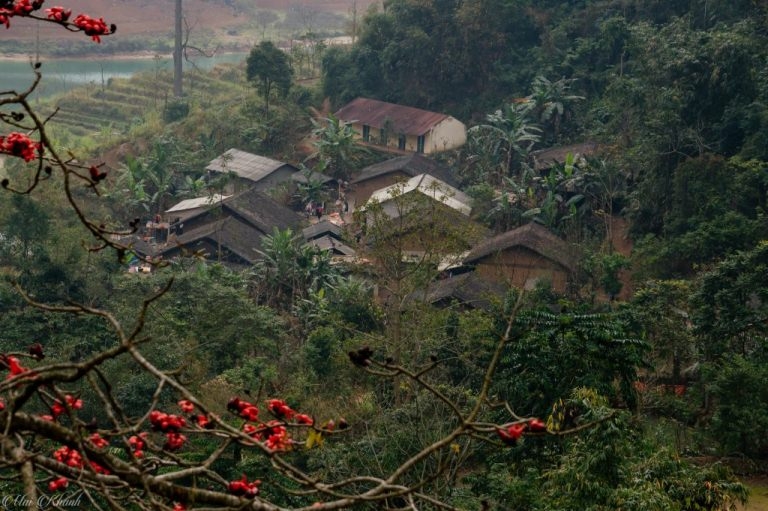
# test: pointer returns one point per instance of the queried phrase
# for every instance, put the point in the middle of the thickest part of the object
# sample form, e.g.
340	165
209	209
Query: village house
395	170
228	230
251	170
545	159
402	128
525	257
464	291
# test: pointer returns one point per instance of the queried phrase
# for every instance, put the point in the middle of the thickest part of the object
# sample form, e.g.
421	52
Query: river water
60	75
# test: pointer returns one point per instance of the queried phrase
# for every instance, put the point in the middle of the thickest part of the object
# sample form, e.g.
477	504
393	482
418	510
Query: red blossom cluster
138	444
98	441
58	14
280	409
18	8
95	28
58	484
243	488
58	408
512	433
244	409
20	145
72	458
170	425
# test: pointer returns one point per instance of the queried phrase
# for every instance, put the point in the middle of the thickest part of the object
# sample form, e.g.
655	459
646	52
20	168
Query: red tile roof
401	119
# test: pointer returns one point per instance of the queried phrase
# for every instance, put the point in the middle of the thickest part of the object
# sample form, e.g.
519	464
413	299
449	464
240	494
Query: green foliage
270	69
730	306
176	110
595	350
741	417
336	147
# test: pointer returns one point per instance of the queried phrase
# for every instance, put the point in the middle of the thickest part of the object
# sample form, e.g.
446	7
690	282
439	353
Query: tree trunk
177	67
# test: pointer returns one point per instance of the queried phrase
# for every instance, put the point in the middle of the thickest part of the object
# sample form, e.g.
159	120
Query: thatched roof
412	165
397	118
466	288
534	237
246	165
548	158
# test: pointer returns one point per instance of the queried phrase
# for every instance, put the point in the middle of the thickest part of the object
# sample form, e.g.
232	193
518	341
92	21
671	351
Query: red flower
58	484
244	409
204	422
277	438
303	418
12	363
92	27
280	409
179	507
2	405
19	144
186	406
166	422
73	402
242	488
512	434
174	441
536	426
98	441
68	456
58	408
59	14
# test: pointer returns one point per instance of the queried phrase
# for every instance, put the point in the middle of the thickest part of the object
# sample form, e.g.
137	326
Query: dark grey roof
304	177
231	234
467	288
532	236
332	244
246	165
321	229
412	164
548	158
262	211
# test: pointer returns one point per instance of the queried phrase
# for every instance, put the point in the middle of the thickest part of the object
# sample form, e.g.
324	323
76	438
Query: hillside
224	22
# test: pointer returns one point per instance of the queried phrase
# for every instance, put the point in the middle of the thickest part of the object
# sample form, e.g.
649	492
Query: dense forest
648	373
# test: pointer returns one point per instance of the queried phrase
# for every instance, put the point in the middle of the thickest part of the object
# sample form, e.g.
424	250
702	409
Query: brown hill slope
155	17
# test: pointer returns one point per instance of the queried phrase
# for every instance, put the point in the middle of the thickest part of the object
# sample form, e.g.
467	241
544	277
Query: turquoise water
60	75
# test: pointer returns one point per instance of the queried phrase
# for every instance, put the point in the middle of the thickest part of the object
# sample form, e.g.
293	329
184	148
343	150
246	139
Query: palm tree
336	146
551	101
507	133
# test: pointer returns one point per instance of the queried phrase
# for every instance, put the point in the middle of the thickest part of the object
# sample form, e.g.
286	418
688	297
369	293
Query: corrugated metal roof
245	165
430	186
198	202
398	118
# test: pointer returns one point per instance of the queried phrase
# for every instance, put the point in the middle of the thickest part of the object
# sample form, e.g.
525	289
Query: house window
366	133
383	136
401	142
420	144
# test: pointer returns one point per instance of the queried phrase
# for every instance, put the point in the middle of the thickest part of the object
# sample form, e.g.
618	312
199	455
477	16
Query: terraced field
121	102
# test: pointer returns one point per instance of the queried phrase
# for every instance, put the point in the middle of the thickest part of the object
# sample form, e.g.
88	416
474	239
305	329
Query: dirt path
758	499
